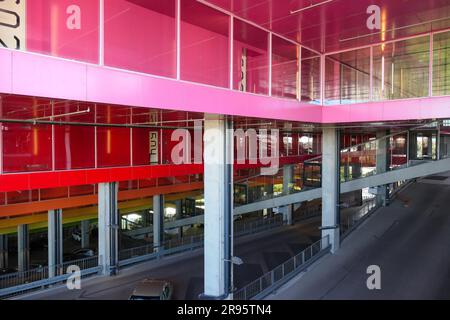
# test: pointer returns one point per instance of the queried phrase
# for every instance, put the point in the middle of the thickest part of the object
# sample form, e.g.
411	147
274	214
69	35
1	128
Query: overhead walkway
407	173
352	178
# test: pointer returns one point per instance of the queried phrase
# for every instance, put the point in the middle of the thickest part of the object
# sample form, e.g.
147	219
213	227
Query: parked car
150	289
84	252
4	271
76	235
79	254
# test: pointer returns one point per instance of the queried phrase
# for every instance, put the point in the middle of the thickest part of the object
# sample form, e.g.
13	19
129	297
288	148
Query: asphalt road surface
260	254
409	241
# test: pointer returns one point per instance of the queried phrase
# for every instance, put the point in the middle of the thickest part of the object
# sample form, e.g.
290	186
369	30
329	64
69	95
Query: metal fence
307	213
251	227
20	282
169	247
352	221
272	280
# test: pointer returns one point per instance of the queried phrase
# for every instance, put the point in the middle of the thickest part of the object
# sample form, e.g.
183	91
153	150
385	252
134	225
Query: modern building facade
131	128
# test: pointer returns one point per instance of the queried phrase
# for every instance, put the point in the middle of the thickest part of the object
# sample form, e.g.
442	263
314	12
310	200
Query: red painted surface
31	181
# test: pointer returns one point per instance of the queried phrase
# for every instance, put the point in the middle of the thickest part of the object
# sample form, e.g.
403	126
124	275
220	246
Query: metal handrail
45	272
148	252
267	283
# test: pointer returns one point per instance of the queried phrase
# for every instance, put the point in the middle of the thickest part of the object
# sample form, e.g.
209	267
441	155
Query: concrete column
382	166
287	214
108	226
218	175
55	241
356	170
268	188
4	251
158	221
330	187
23	247
85	233
179	208
288	178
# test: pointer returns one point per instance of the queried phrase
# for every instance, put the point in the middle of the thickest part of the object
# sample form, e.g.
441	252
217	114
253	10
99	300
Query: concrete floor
409	241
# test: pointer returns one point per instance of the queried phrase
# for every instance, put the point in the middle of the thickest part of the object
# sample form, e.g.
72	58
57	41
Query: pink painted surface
411	109
42	76
5	67
48	77
252	43
285	67
139	38
50	28
204	45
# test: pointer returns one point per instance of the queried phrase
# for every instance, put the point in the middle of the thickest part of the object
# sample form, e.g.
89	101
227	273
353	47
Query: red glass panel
81	190
26	147
113	146
54	193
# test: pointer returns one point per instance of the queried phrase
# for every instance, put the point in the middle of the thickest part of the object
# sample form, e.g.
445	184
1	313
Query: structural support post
268	189
179	209
4	251
287	214
23	247
85	233
108	226
382	166
158	221
288	178
331	187
218	175
55	241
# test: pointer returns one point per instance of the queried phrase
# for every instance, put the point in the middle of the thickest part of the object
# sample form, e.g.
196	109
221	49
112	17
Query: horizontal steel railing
150	252
353	220
18	282
270	281
260	225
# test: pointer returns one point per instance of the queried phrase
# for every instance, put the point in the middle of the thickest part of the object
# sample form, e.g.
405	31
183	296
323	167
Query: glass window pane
145	146
401	69
347	77
113	146
69	152
285	68
113	143
251	59
310	77
140	36
26	147
441	64
64	28
204	44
